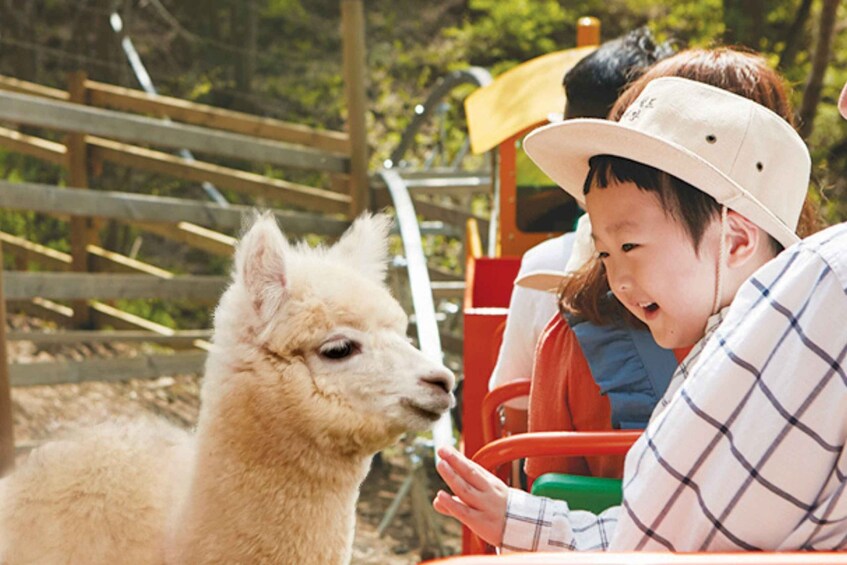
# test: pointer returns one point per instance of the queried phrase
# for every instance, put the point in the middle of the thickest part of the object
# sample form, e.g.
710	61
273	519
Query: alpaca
310	373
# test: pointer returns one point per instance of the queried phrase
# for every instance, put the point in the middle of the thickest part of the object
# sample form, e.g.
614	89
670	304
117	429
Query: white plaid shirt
749	451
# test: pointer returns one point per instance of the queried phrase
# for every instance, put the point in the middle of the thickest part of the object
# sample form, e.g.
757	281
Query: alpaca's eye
340	349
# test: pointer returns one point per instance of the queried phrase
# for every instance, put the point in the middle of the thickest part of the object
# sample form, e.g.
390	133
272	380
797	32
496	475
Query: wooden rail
33	146
184	337
153	209
260	186
26	251
140	367
119	98
25	87
192	235
65	116
80	286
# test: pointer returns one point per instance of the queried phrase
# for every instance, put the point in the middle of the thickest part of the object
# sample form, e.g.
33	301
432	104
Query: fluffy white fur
309	375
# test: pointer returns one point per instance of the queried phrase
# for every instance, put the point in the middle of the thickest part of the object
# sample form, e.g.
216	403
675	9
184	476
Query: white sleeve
535	523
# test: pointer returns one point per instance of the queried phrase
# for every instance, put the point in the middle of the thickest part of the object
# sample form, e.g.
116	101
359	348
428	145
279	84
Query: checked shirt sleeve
749	452
535	523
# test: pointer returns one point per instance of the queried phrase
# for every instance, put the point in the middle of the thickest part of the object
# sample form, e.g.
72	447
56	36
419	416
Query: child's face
651	263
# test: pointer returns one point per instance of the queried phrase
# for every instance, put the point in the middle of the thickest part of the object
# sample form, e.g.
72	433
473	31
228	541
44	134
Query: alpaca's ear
260	264
365	246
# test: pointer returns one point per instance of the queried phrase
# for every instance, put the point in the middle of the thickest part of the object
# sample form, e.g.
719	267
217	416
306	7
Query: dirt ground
44	412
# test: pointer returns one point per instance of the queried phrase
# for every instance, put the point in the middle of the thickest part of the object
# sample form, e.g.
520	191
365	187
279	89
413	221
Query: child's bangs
691	207
609	169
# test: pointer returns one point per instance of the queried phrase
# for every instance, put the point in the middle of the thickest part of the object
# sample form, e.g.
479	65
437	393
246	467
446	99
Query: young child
689	195
563	403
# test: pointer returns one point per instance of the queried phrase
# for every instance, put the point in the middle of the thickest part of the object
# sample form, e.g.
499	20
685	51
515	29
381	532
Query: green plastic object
594	494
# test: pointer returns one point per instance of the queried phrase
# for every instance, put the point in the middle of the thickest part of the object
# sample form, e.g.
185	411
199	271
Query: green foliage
171	314
290	9
410	45
692	23
511	31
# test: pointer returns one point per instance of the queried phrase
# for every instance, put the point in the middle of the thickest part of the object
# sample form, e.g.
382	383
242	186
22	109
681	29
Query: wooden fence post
83	229
7	431
353	41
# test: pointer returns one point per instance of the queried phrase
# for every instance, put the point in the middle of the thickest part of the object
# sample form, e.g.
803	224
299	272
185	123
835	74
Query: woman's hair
585	293
592	85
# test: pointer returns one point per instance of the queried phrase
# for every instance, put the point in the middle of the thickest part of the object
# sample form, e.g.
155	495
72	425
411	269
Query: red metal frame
491	428
487	294
539	444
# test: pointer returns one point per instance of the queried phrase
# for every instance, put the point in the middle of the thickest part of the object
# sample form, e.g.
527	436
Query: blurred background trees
282	58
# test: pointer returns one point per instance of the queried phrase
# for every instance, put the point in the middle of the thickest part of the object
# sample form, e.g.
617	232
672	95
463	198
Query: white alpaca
310	373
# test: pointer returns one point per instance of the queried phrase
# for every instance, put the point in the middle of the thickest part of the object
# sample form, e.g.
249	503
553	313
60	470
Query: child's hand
479	499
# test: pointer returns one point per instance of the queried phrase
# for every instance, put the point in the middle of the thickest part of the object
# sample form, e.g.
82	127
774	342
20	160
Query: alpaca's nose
442	380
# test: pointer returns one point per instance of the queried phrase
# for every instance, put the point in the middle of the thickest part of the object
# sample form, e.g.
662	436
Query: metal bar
494	224
422	301
473	75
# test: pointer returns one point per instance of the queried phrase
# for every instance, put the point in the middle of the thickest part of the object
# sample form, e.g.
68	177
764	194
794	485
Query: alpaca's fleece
100	498
310	373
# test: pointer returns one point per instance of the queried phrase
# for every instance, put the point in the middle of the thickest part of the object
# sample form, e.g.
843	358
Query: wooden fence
90	124
65	288
100	127
103	123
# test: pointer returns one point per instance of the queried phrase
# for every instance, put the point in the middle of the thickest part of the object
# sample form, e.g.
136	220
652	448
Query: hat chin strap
716	304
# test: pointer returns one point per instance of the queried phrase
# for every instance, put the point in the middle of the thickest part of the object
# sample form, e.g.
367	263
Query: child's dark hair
596	81
692	208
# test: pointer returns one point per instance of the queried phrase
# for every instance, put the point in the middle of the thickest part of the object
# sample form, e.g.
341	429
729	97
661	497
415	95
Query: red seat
569	444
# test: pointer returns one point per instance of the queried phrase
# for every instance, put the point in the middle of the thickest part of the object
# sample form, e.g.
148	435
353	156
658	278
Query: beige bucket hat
739	152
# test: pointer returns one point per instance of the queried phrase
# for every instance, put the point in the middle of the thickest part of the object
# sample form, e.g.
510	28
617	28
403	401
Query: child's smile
650	310
651	263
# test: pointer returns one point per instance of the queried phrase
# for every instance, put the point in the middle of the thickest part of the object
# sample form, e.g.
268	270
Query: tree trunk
249	26
820	59
17	22
106	45
744	21
795	34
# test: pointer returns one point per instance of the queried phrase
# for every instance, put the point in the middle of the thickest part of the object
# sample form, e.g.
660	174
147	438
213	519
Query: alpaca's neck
273	498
